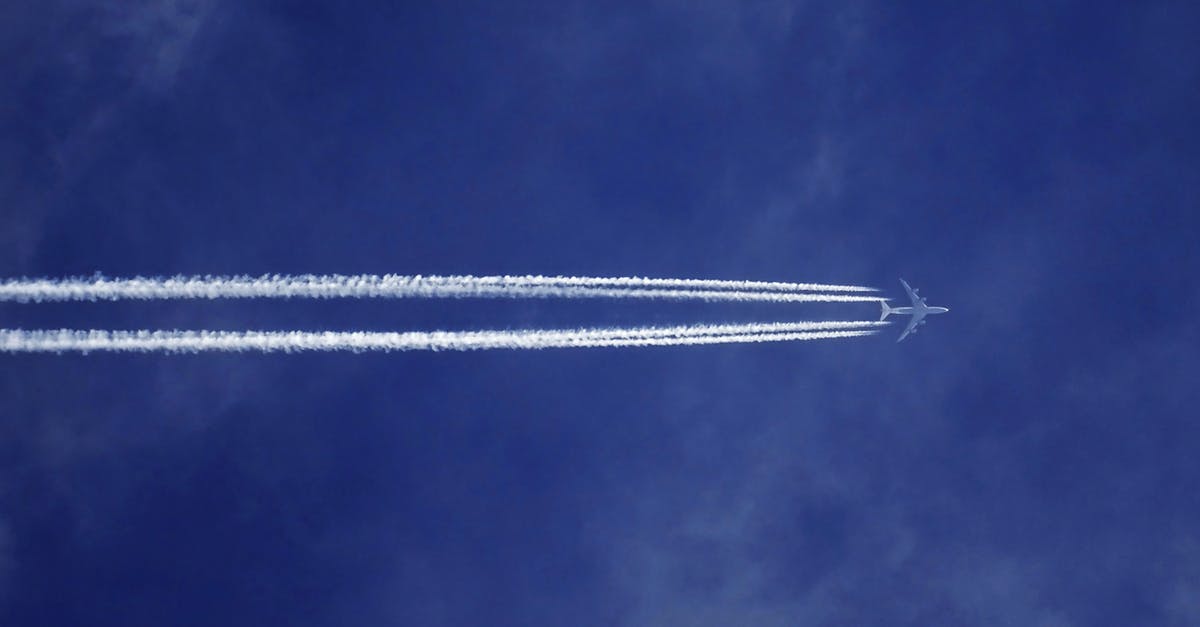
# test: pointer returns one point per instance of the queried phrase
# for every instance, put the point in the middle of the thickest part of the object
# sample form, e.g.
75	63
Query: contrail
402	286
15	341
643	282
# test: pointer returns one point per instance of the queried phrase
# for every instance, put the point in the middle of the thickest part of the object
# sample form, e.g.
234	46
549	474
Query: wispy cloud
161	35
92	58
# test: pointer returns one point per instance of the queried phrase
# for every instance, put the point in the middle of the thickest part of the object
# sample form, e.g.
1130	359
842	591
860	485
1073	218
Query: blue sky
1027	459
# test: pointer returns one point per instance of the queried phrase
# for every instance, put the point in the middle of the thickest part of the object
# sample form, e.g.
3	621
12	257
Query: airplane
918	311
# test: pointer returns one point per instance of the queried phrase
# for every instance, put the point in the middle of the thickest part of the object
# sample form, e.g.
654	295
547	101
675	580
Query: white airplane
918	311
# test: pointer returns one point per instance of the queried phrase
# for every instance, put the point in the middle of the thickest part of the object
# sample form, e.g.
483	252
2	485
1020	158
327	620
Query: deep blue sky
1029	459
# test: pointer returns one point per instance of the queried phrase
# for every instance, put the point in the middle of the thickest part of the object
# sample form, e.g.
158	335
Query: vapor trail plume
643	282
400	286
296	341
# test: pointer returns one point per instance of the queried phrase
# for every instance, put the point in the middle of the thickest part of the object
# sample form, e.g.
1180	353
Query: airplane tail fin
884	310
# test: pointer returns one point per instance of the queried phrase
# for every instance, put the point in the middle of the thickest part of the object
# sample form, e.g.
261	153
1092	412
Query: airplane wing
912	324
911	294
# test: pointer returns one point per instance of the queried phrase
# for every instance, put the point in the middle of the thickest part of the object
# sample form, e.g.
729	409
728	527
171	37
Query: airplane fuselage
912	310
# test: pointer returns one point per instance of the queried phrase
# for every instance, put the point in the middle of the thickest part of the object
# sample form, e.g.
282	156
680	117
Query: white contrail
643	282
14	341
399	286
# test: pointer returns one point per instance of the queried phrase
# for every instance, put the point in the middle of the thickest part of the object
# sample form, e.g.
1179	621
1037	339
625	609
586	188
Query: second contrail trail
20	341
406	286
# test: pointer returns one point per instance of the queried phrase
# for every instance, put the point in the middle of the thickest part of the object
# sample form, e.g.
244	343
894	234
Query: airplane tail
884	310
